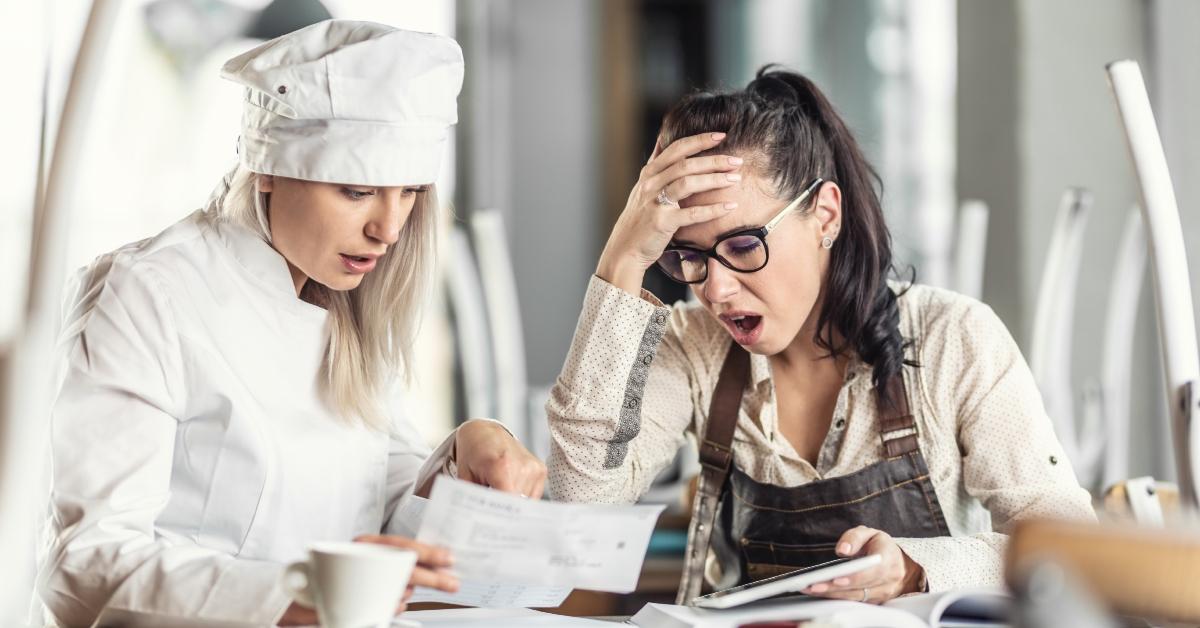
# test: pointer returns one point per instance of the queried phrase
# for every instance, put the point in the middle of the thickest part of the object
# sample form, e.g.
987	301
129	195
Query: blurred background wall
1001	101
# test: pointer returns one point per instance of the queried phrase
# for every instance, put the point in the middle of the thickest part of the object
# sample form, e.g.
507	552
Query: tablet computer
791	582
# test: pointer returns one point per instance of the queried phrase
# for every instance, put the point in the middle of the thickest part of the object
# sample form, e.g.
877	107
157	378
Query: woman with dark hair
838	413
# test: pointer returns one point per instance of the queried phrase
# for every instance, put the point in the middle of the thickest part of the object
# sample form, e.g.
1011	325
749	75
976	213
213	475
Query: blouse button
647	359
1053	459
840	423
660	319
282	89
631	403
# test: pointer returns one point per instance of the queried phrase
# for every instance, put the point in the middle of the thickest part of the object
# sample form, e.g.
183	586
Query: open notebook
962	608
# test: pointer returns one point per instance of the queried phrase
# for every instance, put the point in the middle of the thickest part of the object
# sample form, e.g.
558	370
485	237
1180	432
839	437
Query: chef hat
348	102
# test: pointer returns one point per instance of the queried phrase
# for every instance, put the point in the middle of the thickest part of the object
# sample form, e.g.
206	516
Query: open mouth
747	323
745	328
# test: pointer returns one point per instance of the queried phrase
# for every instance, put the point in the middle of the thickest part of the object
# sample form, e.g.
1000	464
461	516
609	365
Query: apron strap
894	417
716	457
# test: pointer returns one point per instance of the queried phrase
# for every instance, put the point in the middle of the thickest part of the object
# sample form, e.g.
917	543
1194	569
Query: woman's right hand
432	570
646	226
433	563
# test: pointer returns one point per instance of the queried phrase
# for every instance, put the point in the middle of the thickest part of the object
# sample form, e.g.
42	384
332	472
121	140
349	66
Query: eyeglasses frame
760	232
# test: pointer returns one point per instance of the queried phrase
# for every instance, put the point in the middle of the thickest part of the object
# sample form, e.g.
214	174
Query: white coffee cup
351	585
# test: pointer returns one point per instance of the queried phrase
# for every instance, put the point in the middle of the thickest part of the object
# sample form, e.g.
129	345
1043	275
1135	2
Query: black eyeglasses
744	251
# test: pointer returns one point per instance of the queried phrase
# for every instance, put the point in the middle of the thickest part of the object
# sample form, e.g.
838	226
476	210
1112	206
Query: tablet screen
783	576
787	583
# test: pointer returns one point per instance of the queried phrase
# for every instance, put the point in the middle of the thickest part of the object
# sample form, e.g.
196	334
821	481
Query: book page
838	612
977	606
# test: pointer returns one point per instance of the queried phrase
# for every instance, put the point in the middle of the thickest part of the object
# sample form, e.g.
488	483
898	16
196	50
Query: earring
827	242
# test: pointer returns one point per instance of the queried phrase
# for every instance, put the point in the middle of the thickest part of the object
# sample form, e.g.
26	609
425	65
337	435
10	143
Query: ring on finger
663	199
864	595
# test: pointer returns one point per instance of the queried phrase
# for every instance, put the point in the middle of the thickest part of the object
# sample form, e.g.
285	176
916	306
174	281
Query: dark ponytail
789	132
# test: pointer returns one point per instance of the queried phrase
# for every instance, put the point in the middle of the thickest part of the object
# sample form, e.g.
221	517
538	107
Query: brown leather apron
758	530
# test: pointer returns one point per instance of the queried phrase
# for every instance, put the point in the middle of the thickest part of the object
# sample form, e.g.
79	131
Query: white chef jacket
191	454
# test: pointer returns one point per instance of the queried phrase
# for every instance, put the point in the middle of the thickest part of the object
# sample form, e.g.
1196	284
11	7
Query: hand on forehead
756	204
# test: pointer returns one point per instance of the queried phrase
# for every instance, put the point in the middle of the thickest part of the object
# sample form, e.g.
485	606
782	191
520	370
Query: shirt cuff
952	562
609	335
256	582
443	461
926	555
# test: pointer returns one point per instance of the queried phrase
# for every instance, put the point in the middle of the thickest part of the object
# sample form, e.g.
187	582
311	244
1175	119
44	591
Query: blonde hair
374	325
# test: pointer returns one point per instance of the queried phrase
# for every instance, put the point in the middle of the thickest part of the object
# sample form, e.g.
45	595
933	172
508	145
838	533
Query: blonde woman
227	394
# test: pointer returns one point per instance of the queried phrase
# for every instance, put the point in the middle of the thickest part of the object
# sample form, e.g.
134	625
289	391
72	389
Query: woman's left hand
487	454
893	577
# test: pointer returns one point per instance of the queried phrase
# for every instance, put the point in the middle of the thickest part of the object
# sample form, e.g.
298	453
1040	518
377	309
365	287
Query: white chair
1116	366
1106	398
1172	287
471	327
504	321
1050	351
488	319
